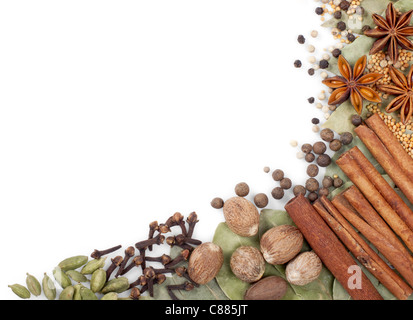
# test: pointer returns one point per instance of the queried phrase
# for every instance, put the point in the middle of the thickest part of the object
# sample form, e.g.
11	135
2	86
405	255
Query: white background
117	113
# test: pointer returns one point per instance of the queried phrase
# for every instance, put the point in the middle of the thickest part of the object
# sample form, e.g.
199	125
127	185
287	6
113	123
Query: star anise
403	89
353	84
392	32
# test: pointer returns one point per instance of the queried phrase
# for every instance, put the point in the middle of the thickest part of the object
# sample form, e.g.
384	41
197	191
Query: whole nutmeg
268	288
247	264
303	269
241	216
205	262
281	243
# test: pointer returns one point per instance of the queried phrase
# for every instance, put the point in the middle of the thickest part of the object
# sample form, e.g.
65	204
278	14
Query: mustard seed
277	193
278	175
242	189
261	200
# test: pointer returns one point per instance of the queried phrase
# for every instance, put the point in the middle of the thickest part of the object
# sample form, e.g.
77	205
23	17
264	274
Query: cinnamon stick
361	250
328	247
386	160
402	264
388	193
400	155
350	167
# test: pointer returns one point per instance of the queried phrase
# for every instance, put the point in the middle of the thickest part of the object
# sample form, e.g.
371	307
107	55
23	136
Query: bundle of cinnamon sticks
372	207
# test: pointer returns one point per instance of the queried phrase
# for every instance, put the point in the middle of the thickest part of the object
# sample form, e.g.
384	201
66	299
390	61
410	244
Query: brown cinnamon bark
328	247
386	160
361	250
404	160
402	264
388	193
358	177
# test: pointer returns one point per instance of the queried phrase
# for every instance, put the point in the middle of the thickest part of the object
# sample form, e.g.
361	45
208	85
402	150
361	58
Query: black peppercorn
299	190
297	64
285	183
327	135
312	185
278	175
309	157
327	182
277	193
344	5
335	145
351	37
323	160
311	100
346	138
337	15
315	121
311	71
319	10
356	120
336	53
312	170
306	148
319	147
323	64
301	39
341	25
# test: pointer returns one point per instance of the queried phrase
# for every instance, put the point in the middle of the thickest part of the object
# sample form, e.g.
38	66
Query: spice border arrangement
358	214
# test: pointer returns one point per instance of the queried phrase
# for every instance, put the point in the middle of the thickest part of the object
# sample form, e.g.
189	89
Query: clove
159	279
150	275
171	241
129	252
116	261
135	294
164	259
136	262
153	226
177	219
159	239
192	220
97	254
180	239
182	257
141	281
187	286
183	272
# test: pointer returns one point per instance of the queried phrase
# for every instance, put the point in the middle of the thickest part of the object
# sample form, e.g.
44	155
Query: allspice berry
281	243
278	175
242	189
327	182
261	200
217	203
346	138
247	264
337	183
312	170
327	135
323	192
303	269
335	145
306	148
205	262
298	189
312	196
285	183
309	157
241	216
277	193
323	160
312	185
319	147
356	120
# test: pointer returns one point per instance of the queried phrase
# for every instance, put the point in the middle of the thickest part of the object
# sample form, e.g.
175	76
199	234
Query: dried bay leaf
404	6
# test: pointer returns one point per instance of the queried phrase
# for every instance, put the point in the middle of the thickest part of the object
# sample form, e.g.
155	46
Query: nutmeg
268	288
241	216
304	268
247	264
281	243
205	262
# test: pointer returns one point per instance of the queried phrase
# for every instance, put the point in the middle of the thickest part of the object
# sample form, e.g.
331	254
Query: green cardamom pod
67	293
87	294
49	288
20	291
93	265
77	295
116	285
73	263
33	285
62	278
110	296
76	276
98	280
